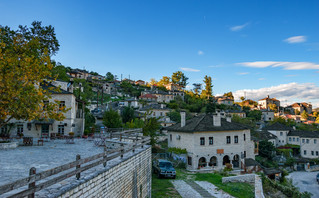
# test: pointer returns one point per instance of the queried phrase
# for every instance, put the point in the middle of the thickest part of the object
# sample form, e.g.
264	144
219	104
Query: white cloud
189	69
243	73
296	39
200	52
239	27
215	66
286	93
285	65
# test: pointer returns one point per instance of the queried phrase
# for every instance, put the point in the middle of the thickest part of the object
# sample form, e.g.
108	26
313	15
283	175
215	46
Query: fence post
32	185
105	156
78	175
122	150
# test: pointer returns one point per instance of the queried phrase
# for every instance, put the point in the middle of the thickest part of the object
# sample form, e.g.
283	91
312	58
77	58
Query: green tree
135	123
266	149
25	56
179	78
211	106
83	90
207	92
315	114
174	116
60	72
89	121
152	82
304	115
197	88
127	114
112	119
242	98
297	112
317	120
109	76
151	125
255	115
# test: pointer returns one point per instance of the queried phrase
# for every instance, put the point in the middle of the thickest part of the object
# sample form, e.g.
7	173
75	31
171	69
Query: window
170	137
315	141
228	139
161	113
297	139
189	160
290	139
178	137
61	129
4	129
202	141
236	139
280	133
293	139
20	129
312	153
317	153
303	140
62	105
305	152
244	154
211	140
307	141
153	113
244	137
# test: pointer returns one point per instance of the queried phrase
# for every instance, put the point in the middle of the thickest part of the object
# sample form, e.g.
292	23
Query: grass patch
163	188
240	190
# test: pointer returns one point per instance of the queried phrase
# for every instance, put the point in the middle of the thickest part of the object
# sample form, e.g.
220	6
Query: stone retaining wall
249	178
131	177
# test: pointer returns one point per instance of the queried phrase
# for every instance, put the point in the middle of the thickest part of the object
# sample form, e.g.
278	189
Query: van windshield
165	164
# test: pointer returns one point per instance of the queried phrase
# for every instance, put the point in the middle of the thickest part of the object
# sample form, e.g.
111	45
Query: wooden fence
79	164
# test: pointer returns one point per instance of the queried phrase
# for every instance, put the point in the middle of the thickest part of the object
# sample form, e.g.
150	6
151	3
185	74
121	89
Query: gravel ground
213	190
306	181
185	190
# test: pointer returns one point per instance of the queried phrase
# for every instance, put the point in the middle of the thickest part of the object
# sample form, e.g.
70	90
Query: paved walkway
204	193
198	189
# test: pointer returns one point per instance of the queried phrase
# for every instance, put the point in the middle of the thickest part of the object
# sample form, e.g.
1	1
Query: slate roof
278	127
52	89
271	171
205	122
153	106
251	162
305	134
262	135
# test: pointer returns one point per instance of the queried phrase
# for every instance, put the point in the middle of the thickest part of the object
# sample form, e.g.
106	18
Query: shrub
228	167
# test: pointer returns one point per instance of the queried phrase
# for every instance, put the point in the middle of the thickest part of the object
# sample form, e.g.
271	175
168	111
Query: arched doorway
202	162
236	161
213	161
226	160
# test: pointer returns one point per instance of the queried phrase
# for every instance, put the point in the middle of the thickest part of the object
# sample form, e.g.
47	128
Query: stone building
265	102
211	141
308	142
279	130
73	122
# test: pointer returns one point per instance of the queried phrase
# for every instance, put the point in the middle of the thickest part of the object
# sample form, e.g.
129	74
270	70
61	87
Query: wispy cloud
261	78
243	73
292	92
238	27
292	75
215	66
285	65
200	52
189	69
296	39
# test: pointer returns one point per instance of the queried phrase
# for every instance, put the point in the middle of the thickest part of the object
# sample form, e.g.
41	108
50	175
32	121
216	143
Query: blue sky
257	48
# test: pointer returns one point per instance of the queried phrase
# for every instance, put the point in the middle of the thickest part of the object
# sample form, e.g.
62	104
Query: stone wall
10	145
129	177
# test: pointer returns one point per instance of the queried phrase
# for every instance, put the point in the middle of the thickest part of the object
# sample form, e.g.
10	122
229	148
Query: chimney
162	106
183	115
216	118
228	118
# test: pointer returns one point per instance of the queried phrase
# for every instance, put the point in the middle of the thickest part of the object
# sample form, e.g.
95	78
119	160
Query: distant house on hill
173	87
264	103
79	73
211	141
267	115
300	107
140	82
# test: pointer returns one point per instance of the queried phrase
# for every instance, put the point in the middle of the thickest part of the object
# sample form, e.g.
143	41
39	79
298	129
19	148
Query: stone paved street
306	181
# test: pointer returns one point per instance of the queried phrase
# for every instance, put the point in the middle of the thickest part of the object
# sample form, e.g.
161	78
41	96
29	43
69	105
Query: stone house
300	107
264	103
155	111
79	73
140	82
173	87
279	130
225	100
211	141
73	122
267	115
308	142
